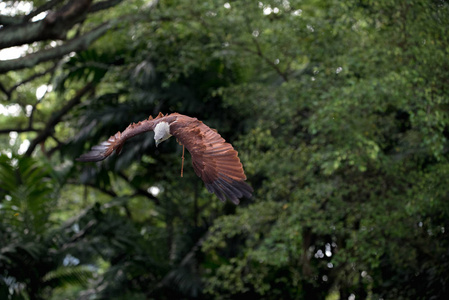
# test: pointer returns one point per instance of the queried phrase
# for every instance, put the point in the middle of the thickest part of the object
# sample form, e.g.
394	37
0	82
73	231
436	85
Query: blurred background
339	111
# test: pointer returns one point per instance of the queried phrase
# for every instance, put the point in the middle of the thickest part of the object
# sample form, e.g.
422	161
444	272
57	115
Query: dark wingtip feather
212	188
91	157
230	189
99	152
244	188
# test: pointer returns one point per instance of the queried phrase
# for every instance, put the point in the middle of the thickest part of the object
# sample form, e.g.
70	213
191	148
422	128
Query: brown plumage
214	160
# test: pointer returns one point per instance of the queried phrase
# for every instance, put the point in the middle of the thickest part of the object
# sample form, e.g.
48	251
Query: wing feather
214	160
117	141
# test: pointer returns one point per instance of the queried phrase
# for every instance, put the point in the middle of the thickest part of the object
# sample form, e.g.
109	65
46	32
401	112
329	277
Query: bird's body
214	160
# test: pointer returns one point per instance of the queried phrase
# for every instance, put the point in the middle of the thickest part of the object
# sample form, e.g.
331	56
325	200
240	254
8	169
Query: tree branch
55	148
5	91
259	51
54	26
8	130
46	6
103	5
76	44
10	20
29	79
57	117
268	61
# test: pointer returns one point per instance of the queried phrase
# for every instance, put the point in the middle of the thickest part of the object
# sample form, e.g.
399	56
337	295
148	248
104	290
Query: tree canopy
339	112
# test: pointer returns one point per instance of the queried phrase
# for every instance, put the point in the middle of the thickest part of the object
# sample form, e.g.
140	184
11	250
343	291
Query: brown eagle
214	160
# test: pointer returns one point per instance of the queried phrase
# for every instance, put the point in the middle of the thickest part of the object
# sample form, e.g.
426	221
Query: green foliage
30	259
339	112
87	65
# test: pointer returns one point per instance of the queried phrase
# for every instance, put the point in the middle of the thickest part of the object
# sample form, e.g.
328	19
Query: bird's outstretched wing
214	160
117	141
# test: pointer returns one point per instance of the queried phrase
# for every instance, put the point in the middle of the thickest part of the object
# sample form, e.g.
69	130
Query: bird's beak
157	142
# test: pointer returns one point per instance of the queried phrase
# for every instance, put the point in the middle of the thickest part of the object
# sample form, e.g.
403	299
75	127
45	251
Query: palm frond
68	275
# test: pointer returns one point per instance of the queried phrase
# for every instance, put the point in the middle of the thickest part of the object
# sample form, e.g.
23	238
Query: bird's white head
161	132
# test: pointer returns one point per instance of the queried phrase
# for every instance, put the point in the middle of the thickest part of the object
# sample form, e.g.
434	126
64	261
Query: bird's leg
182	163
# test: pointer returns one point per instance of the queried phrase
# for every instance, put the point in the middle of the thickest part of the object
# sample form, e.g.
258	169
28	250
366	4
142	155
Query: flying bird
214	160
